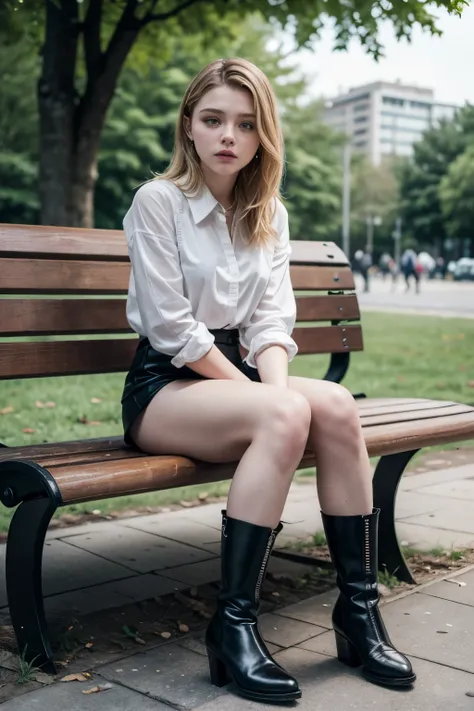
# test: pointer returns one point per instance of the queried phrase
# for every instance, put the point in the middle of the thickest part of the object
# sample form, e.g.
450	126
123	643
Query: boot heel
218	670
346	652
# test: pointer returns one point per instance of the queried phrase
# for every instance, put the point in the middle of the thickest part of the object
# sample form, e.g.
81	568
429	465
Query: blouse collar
201	204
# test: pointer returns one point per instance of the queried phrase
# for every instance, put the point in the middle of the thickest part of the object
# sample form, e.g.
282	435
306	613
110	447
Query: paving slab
415	481
169	673
286	632
412	503
328	684
463	594
425	538
432	628
138	550
110	595
315	611
195	643
68	568
455	515
177	528
459	489
206	571
59	697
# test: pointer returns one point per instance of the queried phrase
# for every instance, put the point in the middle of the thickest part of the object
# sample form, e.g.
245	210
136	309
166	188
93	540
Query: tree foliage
420	179
456	192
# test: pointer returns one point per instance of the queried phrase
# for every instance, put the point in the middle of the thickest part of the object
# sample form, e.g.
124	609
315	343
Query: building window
393	101
420	105
360	131
360	144
360	119
360	107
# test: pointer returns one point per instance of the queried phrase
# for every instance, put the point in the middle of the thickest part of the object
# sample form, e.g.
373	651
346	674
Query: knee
289	420
338	413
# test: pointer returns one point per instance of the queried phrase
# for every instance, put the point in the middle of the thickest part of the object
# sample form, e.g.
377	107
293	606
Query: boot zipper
264	565
224	525
368	571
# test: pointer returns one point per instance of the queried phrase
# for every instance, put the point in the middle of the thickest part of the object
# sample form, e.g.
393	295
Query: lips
226	154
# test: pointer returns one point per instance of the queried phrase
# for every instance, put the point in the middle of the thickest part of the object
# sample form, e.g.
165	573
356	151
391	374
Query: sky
444	64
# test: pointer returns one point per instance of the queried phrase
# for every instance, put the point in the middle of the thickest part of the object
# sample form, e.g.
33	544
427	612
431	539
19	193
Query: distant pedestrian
410	268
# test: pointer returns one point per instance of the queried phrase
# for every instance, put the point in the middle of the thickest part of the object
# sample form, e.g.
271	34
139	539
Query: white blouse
188	276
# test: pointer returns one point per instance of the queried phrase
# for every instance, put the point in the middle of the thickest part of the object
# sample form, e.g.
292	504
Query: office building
385	119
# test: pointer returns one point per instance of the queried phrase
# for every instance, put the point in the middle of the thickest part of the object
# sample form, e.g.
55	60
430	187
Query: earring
257	155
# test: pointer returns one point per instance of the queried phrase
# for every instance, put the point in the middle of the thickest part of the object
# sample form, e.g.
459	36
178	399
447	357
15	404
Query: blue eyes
211	121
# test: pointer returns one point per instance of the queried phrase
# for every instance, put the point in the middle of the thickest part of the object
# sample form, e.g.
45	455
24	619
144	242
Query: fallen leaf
39	404
183	628
7	410
165	635
75	677
139	640
28	430
97	689
89	645
203	496
50	404
186	504
95	400
43	678
470	383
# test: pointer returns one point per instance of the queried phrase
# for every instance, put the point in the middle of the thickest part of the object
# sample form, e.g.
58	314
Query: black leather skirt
151	370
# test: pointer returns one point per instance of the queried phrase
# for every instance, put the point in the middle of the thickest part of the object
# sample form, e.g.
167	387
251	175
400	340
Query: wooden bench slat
321	278
411	407
308	252
89	244
405	436
419	415
328	339
65	242
47	451
46	276
52	317
382	402
335	307
50	358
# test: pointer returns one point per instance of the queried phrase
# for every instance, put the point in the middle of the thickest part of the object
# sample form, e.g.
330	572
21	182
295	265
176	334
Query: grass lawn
404	356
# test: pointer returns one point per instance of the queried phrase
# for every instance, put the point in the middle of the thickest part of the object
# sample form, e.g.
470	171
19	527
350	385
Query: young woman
211	298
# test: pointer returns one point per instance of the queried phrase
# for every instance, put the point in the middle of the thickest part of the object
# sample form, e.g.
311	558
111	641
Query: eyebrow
219	111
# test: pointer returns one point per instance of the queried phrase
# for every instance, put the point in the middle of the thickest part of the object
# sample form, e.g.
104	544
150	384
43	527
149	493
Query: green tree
456	192
420	179
313	179
86	45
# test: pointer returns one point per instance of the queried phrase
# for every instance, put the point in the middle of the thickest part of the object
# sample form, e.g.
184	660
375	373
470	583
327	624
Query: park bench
57	282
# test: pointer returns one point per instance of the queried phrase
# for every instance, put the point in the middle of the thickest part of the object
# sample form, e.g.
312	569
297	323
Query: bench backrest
58	282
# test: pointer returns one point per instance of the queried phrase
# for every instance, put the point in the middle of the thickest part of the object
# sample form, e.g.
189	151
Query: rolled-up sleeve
165	312
274	318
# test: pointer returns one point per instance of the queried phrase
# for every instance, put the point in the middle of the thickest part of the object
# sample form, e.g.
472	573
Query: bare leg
344	475
263	426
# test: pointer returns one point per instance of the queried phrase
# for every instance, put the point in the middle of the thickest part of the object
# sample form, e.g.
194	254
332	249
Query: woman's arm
267	335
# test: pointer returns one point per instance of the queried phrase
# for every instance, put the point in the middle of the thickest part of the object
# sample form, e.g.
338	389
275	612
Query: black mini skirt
151	371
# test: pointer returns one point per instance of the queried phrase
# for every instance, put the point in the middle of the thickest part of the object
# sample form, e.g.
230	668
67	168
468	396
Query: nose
228	137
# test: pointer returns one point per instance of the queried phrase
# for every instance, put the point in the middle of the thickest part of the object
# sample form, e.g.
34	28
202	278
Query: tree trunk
71	126
56	102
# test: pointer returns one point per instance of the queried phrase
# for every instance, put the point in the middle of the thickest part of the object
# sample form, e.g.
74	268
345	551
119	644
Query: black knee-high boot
235	648
361	637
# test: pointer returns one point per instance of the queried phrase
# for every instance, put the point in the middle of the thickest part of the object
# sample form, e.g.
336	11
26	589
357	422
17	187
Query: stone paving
108	564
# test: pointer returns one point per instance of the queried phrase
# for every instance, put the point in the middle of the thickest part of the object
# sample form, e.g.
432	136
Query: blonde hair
258	183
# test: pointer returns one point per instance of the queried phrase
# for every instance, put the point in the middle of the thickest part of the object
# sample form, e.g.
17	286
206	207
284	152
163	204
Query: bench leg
32	489
386	479
24	581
